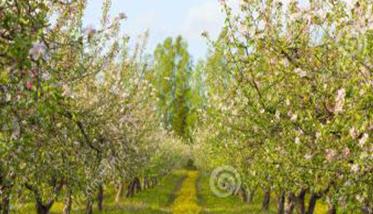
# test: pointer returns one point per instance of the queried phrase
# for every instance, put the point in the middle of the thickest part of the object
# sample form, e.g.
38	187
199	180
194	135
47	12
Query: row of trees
290	103
78	111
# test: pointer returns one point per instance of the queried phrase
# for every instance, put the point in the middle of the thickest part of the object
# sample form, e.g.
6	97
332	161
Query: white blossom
308	156
300	72
353	133
363	139
45	76
277	114
297	141
355	168
66	91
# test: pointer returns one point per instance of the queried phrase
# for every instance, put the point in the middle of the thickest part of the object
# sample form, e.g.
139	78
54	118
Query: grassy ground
182	192
230	205
155	201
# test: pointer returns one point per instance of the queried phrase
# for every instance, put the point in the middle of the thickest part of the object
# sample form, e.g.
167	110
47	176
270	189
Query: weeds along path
186	197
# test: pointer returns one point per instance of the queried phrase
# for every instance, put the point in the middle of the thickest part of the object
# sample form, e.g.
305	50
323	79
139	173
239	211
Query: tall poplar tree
173	69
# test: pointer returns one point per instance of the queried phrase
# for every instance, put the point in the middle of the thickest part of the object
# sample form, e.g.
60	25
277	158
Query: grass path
186	201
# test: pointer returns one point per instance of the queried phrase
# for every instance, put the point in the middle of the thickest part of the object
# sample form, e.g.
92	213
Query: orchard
281	108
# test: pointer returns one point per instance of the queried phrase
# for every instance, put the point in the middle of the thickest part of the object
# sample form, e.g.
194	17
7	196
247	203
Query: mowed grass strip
186	201
151	201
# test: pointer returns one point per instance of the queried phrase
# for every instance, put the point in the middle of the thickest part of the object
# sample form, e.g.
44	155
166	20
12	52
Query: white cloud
204	17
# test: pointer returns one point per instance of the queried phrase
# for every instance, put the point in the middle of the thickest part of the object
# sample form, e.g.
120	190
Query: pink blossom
29	85
346	152
90	30
38	50
330	154
223	2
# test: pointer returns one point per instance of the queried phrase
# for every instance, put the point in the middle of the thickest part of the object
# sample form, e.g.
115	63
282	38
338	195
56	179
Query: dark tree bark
89	206
137	185
100	197
281	203
332	209
312	203
300	201
366	209
130	189
4	206
43	208
266	199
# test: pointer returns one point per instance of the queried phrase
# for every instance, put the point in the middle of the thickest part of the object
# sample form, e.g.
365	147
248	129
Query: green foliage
178	99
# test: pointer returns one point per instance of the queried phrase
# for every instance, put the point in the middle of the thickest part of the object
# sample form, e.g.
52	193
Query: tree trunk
312	203
243	194
89	206
43	209
332	209
137	185
68	202
130	189
290	203
366	209
300	201
251	195
119	192
4	207
281	203
100	197
266	200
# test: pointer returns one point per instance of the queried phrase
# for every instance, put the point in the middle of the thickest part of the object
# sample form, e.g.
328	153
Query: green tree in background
178	100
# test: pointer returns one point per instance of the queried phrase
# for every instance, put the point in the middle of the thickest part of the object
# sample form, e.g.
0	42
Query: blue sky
163	18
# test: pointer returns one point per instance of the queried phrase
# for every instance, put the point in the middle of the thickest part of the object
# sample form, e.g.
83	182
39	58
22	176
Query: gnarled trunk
89	206
291	199
251	195
68	202
332	209
266	199
312	203
281	203
300	201
100	197
130	188
4	206
43	208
